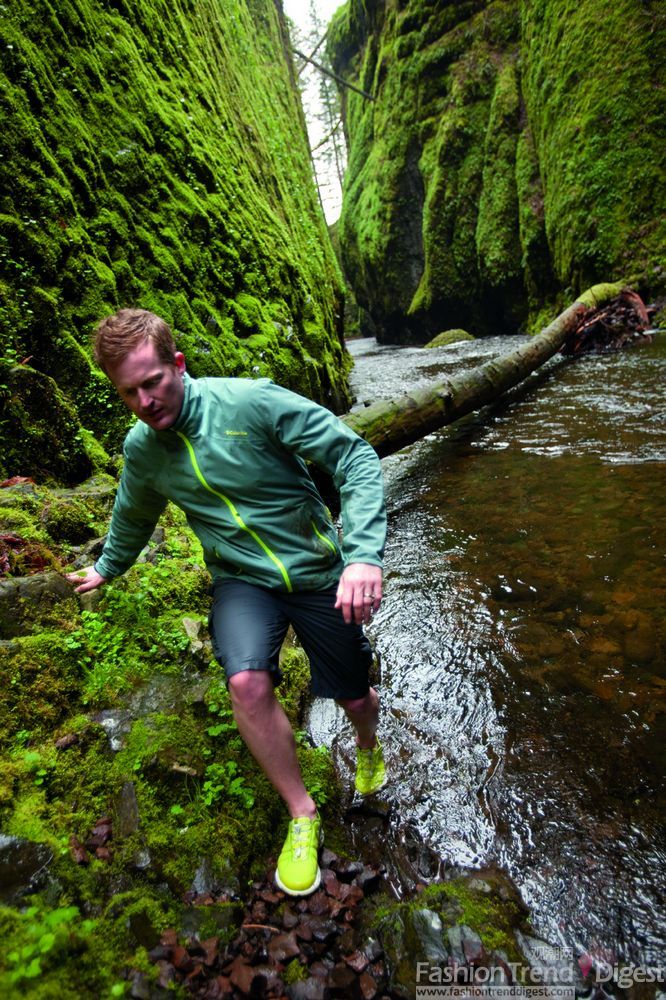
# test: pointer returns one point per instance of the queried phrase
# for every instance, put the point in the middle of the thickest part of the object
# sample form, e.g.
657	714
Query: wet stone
357	961
282	947
166	973
373	950
140	988
77	851
347	870
327	858
319	904
259	912
254	980
367	986
304	931
308	989
330	881
142	860
23	867
116	723
342	978
160	951
101	834
322	930
368	877
454	935
351	894
322	968
66	741
127	811
205	880
180	958
471	945
429	933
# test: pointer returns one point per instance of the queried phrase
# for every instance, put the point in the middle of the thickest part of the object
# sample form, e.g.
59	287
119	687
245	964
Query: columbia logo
236	433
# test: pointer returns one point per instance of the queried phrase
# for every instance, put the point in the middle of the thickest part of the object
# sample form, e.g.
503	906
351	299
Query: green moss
20	521
42	678
40	428
497	242
70	521
509	159
591	96
493	918
294	972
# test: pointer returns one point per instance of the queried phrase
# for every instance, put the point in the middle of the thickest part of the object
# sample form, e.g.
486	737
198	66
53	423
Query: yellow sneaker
297	871
370	770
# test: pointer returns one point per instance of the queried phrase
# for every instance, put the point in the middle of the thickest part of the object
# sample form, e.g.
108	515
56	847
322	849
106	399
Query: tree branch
335	76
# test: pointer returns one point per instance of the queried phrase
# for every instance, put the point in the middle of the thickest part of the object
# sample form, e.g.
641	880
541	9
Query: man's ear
179	359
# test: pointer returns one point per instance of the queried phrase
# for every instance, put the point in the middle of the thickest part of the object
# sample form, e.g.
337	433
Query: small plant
226	723
36	765
44	934
223	780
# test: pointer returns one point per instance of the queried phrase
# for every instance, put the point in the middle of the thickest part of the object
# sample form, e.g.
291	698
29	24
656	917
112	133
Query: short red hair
117	335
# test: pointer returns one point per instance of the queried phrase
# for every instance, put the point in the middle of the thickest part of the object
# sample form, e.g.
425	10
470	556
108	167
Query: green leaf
46	942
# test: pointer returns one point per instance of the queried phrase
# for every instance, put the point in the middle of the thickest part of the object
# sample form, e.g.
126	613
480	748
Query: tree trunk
391	424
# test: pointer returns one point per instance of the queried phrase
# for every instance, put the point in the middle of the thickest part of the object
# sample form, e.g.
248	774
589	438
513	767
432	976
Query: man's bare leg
262	723
363	713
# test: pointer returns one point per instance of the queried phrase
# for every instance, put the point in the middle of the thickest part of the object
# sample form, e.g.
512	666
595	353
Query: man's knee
250	688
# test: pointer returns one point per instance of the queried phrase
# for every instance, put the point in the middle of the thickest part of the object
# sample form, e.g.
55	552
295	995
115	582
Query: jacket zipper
322	538
236	516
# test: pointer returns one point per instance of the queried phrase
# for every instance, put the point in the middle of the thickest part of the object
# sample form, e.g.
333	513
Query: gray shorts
248	625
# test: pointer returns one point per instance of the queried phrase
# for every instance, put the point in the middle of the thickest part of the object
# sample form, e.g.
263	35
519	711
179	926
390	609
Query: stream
522	641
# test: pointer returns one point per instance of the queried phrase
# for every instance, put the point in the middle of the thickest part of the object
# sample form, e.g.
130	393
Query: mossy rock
429	927
449	337
68	520
40	427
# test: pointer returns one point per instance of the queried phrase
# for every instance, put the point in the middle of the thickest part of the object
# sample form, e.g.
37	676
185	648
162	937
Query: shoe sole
298	892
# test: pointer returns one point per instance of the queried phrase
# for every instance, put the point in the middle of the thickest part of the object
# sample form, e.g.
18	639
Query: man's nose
144	398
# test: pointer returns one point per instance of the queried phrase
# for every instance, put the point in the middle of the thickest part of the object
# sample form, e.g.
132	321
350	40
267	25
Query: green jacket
234	461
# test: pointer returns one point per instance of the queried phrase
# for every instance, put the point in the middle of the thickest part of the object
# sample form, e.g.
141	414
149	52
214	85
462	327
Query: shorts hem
258	665
340	696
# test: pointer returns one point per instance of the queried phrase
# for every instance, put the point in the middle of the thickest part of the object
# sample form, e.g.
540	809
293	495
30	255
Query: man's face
150	387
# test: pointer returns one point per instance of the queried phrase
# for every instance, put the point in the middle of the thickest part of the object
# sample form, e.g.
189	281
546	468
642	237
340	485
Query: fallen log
391	424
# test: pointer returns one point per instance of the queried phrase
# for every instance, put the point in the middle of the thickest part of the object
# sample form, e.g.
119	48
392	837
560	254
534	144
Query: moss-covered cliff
514	151
154	154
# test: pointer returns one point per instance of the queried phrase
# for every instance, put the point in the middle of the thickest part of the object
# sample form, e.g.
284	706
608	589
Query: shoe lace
366	760
300	836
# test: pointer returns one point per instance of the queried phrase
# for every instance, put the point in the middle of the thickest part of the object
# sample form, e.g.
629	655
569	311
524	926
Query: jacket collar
190	412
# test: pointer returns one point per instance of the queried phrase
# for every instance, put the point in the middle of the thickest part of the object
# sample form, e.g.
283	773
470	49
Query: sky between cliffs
329	188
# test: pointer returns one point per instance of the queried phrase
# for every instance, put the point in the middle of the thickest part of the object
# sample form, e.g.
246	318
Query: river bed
522	639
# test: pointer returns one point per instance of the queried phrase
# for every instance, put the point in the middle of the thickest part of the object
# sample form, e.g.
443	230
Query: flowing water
522	638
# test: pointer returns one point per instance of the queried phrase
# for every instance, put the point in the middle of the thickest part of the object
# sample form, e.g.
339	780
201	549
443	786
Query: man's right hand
88	579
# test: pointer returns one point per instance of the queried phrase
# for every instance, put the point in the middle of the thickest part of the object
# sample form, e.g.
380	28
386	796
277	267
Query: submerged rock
449	337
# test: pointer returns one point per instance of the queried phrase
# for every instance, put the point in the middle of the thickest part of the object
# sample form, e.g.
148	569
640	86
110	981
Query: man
232	454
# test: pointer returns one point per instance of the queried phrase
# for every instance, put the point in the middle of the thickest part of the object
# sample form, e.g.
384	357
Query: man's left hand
359	592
